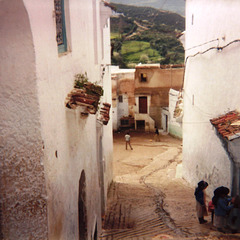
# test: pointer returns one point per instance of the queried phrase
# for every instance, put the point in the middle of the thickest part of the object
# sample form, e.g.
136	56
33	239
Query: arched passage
82	210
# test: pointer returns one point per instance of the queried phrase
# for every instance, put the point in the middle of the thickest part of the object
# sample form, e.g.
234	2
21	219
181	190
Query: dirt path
146	200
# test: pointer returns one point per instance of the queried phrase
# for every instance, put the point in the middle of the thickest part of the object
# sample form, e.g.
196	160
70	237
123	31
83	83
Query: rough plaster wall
107	140
234	149
126	86
122	84
155	114
158	85
211	88
175	128
70	140
107	136
23	191
160	78
203	154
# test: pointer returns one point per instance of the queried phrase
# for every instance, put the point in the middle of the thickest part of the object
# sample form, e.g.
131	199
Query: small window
143	77
60	26
120	98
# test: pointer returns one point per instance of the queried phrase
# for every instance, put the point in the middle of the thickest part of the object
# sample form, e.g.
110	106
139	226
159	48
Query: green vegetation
139	51
177	6
146	35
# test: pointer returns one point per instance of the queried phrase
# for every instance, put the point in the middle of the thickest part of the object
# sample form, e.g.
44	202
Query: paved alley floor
146	200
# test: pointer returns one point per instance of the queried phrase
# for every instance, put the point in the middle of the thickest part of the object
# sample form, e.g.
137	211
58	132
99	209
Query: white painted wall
36	125
174	127
23	198
211	87
121	109
165	119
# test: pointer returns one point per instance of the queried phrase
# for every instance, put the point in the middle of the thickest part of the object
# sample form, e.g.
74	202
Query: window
60	26
143	77
120	98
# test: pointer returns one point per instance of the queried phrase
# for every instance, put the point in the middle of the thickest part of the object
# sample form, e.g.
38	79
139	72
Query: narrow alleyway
146	200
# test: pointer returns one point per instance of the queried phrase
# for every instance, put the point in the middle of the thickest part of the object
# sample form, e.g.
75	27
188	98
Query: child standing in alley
127	140
200	197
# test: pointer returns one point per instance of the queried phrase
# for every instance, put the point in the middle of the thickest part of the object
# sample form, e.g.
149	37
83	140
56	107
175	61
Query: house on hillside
141	95
211	90
55	146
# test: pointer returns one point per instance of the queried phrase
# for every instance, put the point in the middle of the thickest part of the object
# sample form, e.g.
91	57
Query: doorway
140	125
82	209
142	104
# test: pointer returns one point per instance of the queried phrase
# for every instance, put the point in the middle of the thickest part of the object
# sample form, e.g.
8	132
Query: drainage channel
135	211
132	217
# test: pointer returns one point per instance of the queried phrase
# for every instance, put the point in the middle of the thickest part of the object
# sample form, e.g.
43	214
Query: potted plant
85	94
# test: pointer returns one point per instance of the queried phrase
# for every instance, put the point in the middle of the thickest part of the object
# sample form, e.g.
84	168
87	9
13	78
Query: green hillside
146	35
177	6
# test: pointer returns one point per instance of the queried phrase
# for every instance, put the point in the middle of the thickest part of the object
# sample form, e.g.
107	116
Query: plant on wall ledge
104	113
84	94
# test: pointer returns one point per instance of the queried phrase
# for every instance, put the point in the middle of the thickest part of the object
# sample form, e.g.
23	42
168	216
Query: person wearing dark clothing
156	136
221	202
200	197
233	221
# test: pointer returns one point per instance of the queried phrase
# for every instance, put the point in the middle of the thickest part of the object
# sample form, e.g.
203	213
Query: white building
211	87
55	163
122	90
175	113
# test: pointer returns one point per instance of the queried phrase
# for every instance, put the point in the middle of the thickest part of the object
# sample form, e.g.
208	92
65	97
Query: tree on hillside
144	58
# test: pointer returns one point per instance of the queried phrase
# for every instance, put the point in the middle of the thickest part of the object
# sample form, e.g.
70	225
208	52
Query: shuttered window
60	26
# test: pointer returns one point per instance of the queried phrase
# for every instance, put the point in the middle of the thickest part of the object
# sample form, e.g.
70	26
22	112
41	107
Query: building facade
175	113
122	95
211	86
143	94
55	162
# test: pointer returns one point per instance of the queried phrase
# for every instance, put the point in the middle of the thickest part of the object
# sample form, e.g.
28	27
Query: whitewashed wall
211	86
56	143
174	126
121	109
23	195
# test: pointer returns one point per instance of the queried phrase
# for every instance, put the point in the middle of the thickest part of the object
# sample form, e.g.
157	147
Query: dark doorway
95	237
82	210
140	125
100	167
166	121
142	104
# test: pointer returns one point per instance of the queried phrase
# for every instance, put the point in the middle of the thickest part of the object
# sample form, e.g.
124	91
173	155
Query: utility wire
209	49
202	44
201	53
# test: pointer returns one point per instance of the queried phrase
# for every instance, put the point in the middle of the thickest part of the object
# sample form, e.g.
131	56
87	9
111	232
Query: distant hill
146	35
152	16
177	6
